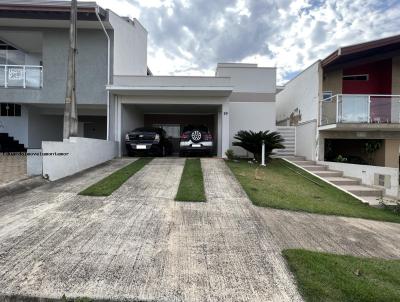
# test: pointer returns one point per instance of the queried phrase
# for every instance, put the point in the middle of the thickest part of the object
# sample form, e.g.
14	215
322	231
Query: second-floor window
9	55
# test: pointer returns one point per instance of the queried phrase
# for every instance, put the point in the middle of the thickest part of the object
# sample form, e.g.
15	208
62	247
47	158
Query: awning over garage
171	85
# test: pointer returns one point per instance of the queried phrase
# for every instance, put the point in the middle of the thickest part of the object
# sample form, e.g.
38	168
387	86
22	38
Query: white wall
34	162
367	174
249	77
254	116
16	126
300	95
130	46
82	153
306	140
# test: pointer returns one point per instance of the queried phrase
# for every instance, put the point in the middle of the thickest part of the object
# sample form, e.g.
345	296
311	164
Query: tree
252	142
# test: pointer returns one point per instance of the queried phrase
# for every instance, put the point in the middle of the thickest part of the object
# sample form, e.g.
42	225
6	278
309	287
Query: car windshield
148	129
191	128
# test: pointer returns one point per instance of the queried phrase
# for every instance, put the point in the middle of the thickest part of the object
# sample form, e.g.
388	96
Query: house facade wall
252	103
298	102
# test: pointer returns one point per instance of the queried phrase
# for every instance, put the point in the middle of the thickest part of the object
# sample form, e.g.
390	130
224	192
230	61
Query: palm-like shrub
252	142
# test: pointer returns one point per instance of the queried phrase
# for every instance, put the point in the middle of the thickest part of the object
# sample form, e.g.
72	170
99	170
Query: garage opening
173	119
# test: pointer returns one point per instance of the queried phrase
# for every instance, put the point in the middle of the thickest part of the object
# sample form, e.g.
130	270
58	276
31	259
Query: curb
21	185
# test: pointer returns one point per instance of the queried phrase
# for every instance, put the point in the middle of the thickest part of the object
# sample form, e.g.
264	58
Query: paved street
140	244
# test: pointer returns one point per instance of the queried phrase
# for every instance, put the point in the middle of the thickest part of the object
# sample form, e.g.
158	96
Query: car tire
131	153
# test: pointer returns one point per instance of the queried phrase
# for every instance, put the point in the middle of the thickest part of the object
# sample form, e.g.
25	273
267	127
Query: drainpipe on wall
108	71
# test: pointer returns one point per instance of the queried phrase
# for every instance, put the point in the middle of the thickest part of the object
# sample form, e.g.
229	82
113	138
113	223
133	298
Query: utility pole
70	111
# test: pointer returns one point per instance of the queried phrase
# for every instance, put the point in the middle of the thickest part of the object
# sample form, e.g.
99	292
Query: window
326	95
7	109
356	77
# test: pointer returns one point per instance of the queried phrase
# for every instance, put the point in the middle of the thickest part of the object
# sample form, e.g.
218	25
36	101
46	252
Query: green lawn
328	277
112	182
277	186
191	187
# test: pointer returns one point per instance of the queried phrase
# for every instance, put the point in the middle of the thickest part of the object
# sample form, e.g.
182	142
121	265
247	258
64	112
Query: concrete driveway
139	244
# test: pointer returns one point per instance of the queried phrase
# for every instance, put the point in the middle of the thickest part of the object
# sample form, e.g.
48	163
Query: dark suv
196	139
147	141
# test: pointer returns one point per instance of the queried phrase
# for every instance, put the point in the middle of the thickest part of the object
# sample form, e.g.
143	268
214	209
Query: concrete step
362	190
295	158
314	168
328	173
342	181
303	162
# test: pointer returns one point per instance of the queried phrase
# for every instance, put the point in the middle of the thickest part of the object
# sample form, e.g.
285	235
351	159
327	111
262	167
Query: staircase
364	193
9	144
289	135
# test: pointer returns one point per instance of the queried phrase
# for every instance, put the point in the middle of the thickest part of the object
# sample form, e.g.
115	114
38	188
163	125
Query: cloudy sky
189	37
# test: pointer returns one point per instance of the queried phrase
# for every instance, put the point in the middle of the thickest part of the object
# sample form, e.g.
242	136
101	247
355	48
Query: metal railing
360	108
21	76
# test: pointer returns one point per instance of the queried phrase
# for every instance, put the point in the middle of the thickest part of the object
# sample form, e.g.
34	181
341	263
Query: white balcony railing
21	76
360	108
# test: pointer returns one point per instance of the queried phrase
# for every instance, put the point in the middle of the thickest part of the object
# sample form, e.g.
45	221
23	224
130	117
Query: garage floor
139	244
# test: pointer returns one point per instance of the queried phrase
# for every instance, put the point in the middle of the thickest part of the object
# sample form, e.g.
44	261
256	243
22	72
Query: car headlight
157	138
127	137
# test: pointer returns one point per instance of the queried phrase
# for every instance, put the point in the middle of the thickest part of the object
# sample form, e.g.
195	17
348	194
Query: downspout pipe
108	70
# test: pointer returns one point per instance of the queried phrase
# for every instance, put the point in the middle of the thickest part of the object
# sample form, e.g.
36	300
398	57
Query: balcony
21	76
359	109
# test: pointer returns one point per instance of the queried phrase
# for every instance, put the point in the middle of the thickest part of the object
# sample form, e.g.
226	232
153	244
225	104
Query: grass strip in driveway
329	277
191	187
109	184
276	186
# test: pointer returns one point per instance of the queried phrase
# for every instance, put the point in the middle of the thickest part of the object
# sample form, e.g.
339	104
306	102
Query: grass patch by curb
330	277
191	187
276	186
109	184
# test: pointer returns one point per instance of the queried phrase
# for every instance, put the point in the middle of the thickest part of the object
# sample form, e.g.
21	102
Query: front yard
283	186
329	277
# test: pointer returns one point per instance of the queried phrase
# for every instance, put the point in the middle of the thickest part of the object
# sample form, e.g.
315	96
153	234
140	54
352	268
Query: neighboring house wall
396	75
298	102
392	151
332	81
91	69
379	78
130	46
369	175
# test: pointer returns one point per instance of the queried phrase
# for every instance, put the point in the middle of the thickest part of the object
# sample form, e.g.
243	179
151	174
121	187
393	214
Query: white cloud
191	36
